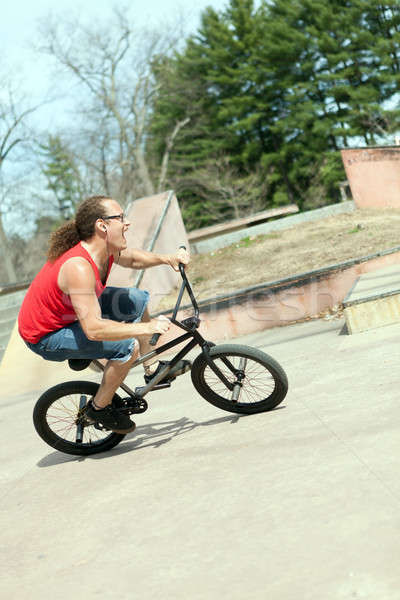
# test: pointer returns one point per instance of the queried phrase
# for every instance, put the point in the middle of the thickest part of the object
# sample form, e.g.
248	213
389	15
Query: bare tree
113	69
224	192
14	136
5	249
168	148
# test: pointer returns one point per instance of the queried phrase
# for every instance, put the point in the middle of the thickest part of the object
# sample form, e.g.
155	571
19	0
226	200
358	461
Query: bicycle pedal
100	427
136	405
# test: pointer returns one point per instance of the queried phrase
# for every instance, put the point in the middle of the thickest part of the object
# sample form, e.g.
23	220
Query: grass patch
303	247
197	280
256	239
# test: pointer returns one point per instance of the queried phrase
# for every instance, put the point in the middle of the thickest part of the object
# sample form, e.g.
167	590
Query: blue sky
18	21
33	72
19	24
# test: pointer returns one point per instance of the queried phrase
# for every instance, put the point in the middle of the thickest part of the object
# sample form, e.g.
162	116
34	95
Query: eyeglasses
121	217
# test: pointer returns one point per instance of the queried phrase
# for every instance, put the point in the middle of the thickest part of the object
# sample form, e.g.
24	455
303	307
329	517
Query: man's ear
102	226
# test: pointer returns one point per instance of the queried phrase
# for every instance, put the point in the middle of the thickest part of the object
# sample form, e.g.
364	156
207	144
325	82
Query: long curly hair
79	229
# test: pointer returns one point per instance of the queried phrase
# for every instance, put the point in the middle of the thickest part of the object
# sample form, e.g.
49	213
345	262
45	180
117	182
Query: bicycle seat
78	364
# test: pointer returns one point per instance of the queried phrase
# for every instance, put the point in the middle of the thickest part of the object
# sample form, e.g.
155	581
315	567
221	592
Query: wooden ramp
157	226
374	300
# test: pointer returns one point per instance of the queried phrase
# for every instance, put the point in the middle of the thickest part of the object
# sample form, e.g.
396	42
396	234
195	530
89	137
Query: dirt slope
296	250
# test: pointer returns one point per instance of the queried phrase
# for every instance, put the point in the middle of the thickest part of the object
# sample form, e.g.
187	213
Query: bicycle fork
237	386
239	373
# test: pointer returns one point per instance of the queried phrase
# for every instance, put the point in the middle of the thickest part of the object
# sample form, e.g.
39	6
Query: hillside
299	249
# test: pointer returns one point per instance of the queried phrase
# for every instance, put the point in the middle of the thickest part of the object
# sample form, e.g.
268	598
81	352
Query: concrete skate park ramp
374	300
374	175
157	226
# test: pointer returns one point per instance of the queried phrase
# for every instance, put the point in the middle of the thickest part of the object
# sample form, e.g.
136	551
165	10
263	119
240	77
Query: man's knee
129	360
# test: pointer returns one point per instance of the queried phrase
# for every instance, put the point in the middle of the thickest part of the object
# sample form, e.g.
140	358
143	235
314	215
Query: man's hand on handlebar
159	325
182	256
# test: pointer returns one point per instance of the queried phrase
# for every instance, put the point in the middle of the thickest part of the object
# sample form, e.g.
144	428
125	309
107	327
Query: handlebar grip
154	339
181	265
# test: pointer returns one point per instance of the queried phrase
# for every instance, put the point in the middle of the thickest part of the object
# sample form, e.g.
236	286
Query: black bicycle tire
44	431
275	369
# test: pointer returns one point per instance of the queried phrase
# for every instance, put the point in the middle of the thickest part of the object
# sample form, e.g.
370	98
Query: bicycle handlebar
154	339
156	336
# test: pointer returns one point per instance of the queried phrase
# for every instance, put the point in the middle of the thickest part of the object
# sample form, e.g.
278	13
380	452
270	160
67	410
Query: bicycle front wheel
252	381
59	418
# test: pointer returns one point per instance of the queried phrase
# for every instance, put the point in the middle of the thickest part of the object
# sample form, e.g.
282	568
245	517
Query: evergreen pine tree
62	175
284	86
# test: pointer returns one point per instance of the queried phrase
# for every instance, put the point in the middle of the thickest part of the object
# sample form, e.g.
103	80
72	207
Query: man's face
116	227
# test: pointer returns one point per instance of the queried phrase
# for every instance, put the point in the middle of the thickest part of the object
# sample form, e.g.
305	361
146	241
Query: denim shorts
117	304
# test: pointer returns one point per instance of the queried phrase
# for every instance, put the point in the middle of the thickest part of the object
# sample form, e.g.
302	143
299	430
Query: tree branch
168	148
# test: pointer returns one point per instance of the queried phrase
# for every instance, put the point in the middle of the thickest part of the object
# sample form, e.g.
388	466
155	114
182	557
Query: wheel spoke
257	385
62	419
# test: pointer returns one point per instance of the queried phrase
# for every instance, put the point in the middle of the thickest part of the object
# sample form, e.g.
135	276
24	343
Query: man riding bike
69	313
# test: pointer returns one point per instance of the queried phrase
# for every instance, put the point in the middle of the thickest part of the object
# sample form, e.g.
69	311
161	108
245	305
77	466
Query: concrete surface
276	303
376	284
9	308
246	311
374	300
21	367
374	175
373	314
299	503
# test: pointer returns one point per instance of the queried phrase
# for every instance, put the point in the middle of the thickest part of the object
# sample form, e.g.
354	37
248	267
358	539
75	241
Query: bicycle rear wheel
59	418
256	382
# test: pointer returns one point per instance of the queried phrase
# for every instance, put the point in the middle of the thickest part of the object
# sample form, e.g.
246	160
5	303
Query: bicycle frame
189	325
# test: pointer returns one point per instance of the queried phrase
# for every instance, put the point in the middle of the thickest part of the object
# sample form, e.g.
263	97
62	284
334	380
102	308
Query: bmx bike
232	377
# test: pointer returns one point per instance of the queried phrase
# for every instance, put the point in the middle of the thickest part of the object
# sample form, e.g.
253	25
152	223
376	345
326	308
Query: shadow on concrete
153	435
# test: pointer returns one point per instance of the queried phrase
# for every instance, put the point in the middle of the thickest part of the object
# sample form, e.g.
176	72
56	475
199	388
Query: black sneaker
182	366
110	418
78	364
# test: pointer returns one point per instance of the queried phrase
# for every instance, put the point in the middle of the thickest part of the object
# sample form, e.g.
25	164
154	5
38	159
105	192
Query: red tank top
46	307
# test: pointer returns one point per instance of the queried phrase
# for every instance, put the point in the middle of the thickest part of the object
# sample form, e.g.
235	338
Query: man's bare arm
79	283
134	258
